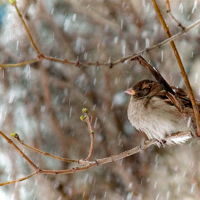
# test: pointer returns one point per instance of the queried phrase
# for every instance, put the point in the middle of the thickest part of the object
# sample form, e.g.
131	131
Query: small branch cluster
172	16
40	56
84	162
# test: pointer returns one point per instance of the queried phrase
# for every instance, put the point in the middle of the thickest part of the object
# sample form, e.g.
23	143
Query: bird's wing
181	94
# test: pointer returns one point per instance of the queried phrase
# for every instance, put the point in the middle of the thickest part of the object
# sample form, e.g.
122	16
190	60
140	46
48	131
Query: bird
152	112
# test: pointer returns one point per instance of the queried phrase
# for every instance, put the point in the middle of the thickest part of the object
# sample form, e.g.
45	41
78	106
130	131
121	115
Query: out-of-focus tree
42	102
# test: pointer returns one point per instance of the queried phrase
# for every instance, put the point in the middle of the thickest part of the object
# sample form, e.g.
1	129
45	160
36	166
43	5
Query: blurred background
42	102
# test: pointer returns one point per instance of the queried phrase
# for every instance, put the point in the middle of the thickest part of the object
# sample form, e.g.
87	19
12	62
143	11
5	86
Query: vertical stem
183	72
87	120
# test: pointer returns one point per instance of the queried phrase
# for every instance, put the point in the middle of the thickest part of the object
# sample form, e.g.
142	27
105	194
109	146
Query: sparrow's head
143	89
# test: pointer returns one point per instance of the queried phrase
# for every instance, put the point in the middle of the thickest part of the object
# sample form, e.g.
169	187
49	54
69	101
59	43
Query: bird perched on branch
151	111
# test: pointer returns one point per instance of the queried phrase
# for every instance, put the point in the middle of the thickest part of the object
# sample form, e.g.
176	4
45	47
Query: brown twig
63	61
26	28
86	118
172	16
19	64
19	151
155	73
182	69
18	180
16	136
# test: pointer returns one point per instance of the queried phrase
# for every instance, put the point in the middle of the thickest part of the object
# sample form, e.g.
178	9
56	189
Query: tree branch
97	63
182	69
26	28
16	136
172	16
90	164
18	180
19	151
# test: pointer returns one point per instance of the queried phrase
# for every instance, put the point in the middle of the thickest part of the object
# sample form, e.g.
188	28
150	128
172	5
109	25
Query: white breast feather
157	120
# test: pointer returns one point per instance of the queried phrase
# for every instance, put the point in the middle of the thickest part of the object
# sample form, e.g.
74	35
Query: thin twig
26	28
155	73
87	120
19	151
182	69
16	136
18	180
19	64
63	61
134	55
91	138
172	16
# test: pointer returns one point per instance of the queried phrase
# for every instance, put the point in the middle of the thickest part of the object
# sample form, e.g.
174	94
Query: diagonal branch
26	28
172	16
155	73
18	180
20	64
19	151
78	64
16	136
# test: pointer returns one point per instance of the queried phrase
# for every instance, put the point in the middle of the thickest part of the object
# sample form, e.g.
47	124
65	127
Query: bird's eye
146	91
143	92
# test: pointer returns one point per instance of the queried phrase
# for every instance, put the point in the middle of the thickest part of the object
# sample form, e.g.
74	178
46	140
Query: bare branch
16	136
172	16
20	64
26	28
19	151
18	180
90	164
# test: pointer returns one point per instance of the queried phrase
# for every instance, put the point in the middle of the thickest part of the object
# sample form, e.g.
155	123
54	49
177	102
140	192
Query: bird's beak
130	92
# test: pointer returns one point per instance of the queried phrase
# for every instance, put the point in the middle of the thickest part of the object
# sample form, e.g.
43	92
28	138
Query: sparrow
152	112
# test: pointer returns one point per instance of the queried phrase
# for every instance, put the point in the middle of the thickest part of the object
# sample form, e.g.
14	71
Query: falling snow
42	101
